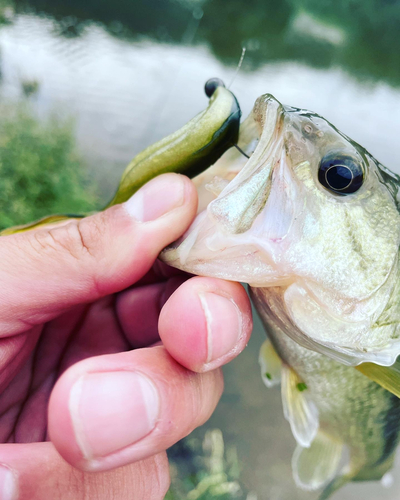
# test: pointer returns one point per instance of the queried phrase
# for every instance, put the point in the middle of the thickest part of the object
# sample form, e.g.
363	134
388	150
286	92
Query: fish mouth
231	237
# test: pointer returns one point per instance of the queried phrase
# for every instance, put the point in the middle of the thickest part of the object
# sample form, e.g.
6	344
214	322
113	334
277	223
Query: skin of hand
108	357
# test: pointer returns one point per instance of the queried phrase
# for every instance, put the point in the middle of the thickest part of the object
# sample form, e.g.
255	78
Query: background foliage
41	172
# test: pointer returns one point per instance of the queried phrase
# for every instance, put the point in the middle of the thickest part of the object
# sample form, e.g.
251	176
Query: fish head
312	219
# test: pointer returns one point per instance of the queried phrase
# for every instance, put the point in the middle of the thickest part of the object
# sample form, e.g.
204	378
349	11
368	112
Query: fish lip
243	199
268	114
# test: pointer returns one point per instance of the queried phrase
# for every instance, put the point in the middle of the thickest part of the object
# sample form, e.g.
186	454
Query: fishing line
238	67
230	85
241	151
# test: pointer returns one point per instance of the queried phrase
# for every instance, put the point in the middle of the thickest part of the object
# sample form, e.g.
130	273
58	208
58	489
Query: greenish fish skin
352	409
324	275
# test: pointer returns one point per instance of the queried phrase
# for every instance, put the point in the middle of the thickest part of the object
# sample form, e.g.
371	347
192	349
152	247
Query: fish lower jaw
247	269
207	250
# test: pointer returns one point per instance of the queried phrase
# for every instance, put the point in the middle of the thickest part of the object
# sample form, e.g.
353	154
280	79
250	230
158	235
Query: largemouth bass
310	220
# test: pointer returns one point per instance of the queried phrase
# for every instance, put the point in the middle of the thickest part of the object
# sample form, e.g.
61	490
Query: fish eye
340	173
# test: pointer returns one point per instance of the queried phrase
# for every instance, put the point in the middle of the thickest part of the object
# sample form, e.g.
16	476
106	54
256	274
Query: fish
311	222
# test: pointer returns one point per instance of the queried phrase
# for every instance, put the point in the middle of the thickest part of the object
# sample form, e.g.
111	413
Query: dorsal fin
298	407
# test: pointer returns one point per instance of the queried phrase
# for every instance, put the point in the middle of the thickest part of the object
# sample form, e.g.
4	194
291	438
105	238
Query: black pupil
339	177
341	173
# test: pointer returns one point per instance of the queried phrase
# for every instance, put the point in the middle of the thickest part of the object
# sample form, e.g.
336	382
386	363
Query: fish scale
340	391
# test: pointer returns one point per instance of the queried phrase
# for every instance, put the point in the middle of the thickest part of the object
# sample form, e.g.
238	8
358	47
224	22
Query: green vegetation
205	471
40	170
163	20
6	10
369	50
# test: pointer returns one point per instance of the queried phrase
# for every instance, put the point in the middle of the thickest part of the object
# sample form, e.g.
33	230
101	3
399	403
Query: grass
41	172
205	471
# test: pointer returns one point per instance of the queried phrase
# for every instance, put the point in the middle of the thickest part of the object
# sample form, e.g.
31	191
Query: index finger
206	323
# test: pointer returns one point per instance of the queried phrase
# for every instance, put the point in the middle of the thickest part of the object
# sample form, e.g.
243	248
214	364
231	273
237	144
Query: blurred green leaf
204	471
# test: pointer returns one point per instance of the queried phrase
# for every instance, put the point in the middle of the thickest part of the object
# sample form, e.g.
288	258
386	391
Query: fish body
356	420
311	222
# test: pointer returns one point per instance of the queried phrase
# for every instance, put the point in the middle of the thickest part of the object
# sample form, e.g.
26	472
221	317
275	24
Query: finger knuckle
77	239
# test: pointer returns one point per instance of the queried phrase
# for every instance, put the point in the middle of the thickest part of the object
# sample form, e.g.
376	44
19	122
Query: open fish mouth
241	219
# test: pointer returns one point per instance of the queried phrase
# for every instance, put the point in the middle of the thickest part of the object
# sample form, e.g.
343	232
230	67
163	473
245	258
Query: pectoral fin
386	376
317	465
298	408
270	363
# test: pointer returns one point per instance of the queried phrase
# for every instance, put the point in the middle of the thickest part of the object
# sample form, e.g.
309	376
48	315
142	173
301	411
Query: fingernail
111	411
8	483
224	324
156	198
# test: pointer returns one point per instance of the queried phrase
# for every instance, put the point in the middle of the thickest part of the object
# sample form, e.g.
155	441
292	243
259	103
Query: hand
85	383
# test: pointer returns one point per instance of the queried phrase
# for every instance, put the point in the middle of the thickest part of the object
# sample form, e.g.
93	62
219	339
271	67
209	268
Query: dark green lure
191	149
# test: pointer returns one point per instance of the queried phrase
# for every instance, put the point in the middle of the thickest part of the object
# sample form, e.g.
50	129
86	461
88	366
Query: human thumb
45	271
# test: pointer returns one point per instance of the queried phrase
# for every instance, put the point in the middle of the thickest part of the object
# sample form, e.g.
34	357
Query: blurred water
129	76
125	95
